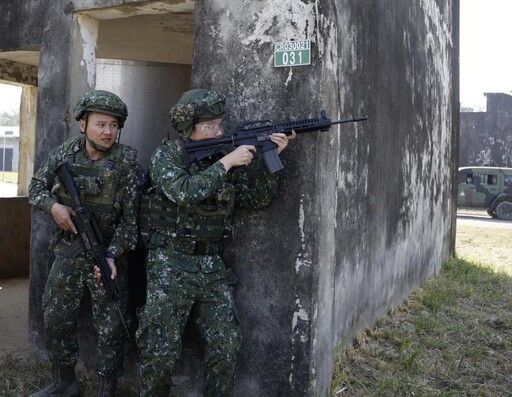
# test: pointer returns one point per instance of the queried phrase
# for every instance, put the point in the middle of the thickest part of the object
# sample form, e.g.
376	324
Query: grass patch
22	376
452	337
489	246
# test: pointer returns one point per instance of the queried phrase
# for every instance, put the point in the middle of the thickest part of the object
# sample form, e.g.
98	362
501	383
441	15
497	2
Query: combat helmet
195	106
102	102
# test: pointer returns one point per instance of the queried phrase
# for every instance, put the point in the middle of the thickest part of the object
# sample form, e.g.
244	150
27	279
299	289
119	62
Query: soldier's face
102	129
207	130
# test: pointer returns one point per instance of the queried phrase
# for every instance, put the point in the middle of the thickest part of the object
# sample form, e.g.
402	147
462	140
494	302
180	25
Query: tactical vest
100	186
210	220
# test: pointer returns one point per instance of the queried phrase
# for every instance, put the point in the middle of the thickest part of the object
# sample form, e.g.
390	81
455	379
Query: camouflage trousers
67	283
182	285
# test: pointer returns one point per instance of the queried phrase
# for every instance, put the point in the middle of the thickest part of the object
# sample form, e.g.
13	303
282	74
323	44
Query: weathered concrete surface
18	72
29	25
364	213
15	236
486	137
52	128
27	137
26	35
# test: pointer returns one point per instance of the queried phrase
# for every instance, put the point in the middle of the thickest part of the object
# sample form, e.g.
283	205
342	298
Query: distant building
486	137
9	148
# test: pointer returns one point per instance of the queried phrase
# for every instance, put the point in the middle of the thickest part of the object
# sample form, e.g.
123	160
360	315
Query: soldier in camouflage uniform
109	179
188	211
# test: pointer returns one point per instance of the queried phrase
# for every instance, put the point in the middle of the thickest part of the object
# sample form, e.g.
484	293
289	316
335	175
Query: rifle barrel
352	120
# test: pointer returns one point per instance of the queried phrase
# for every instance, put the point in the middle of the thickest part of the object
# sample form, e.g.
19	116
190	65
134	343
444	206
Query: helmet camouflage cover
102	102
195	106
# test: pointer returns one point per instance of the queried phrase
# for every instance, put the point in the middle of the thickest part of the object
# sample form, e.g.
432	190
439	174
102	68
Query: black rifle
257	133
90	235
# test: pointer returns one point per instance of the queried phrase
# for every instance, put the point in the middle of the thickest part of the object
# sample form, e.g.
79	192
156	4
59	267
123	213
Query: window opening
10	98
490	179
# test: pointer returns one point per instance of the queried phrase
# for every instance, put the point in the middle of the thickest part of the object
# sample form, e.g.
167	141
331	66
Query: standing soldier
189	210
108	179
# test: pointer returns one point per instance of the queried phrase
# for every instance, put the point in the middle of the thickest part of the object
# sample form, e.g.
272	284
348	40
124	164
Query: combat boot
106	386
64	384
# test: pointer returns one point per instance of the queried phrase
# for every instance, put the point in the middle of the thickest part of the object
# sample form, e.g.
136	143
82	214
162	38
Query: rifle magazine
272	161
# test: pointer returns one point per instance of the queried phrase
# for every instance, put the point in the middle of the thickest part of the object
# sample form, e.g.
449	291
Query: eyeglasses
209	126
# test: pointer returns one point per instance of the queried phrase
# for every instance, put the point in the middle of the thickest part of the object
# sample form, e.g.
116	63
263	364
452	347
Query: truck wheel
504	210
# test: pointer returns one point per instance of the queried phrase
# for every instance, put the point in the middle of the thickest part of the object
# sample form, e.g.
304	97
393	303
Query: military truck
486	187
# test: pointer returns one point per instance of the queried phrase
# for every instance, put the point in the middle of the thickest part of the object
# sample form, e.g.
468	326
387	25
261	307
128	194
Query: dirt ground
13	301
14	316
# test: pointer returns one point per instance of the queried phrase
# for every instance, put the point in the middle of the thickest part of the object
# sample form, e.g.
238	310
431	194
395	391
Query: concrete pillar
27	137
52	128
83	60
364	211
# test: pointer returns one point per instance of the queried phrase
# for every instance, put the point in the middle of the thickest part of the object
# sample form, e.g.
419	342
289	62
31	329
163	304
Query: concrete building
9	148
365	212
486	137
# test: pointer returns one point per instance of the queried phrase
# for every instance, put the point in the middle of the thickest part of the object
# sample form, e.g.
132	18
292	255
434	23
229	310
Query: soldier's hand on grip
62	216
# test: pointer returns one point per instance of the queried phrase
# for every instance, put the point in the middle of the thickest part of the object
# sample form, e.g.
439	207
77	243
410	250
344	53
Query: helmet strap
99	148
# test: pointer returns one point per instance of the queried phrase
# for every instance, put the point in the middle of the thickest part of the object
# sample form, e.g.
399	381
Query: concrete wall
18	72
26	35
45	26
364	213
485	137
15	236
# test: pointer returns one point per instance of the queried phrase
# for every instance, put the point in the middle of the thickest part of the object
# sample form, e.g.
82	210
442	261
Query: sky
485	50
10	96
485	54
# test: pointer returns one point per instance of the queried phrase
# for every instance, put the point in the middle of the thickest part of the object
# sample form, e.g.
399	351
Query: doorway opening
144	55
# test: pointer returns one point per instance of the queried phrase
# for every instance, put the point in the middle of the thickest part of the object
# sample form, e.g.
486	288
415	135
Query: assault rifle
257	133
90	236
